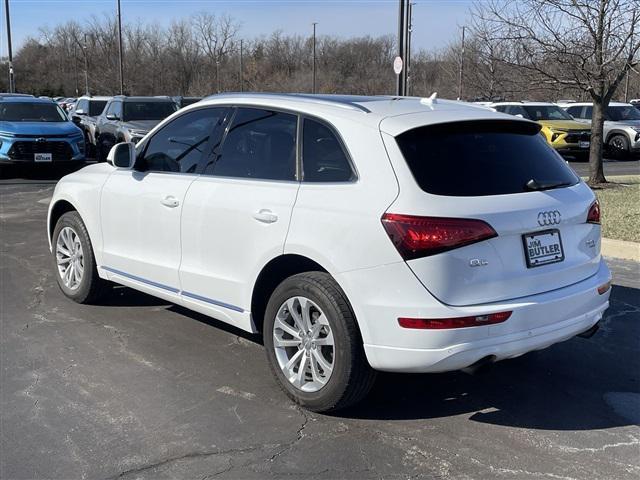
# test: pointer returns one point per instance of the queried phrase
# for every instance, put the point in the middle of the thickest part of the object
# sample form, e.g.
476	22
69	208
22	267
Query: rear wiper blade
534	184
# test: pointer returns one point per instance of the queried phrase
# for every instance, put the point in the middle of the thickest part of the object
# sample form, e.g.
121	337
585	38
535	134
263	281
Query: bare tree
585	44
215	35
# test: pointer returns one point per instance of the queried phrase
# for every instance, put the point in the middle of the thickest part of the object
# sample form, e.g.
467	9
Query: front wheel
619	147
74	262
313	344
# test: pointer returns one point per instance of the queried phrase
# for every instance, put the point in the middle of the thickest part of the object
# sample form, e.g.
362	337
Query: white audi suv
355	233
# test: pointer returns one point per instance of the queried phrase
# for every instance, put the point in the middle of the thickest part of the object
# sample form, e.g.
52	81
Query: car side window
83	105
501	108
323	158
260	144
574	111
517	110
179	145
111	109
587	113
118	110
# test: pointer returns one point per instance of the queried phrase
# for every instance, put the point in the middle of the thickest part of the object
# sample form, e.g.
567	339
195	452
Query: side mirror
80	112
122	155
111	116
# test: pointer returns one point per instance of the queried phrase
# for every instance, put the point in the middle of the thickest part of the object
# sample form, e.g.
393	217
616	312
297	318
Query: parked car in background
621	126
562	132
636	103
186	101
5	94
85	114
128	119
34	130
463	238
67	103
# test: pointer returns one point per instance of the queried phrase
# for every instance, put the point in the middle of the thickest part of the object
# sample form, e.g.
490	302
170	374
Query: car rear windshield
31	112
481	158
147	110
96	107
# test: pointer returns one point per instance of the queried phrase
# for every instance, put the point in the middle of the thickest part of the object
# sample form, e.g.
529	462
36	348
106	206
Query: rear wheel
313	344
74	262
619	146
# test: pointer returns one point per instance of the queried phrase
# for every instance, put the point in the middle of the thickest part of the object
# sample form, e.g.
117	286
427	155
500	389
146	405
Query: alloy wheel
69	258
304	344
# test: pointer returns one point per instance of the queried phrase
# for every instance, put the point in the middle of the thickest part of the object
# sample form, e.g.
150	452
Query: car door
141	208
236	215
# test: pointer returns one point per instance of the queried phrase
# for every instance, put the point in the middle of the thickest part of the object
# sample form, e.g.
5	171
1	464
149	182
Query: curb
621	249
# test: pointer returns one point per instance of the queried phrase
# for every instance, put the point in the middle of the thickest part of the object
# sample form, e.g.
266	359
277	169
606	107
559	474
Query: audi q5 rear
356	233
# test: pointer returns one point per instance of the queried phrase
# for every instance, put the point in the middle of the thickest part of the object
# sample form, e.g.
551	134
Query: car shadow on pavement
120	296
563	387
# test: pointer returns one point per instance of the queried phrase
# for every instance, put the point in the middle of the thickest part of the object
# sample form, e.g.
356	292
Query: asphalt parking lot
138	388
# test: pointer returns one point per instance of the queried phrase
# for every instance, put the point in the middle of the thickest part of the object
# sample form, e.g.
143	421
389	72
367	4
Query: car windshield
623	113
546	112
147	110
479	158
96	107
31	112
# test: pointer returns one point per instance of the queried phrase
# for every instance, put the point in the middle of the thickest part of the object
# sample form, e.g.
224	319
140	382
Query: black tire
102	149
91	286
351	377
618	146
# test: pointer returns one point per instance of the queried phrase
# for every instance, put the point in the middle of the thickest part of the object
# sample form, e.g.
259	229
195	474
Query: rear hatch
487	211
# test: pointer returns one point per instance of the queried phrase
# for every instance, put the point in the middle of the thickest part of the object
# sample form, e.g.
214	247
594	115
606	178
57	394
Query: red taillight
455	322
594	213
416	237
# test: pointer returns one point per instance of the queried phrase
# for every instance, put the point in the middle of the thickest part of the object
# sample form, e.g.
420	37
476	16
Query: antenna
432	100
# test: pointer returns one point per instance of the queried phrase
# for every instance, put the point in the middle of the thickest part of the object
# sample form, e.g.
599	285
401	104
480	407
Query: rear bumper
537	322
456	357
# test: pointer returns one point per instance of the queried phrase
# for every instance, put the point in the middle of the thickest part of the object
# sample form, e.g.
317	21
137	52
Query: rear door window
323	158
260	144
575	112
482	158
95	107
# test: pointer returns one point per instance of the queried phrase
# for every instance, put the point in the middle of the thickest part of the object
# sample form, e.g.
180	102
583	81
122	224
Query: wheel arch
59	208
272	274
614	133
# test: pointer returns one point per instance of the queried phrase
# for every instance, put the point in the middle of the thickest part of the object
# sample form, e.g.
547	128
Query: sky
436	22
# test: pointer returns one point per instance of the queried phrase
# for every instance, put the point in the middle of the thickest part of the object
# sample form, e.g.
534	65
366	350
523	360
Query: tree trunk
596	170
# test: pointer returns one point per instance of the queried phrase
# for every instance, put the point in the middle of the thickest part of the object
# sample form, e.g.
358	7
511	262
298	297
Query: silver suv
621	126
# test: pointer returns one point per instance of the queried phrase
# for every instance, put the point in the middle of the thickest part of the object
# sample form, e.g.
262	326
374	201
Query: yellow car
562	132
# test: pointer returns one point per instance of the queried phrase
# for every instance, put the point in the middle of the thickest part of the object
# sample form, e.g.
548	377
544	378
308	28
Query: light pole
120	50
313	84
217	75
409	32
86	66
400	83
12	85
461	71
241	72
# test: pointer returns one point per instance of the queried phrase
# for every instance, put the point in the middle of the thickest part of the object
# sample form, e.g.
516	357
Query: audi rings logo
546	219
